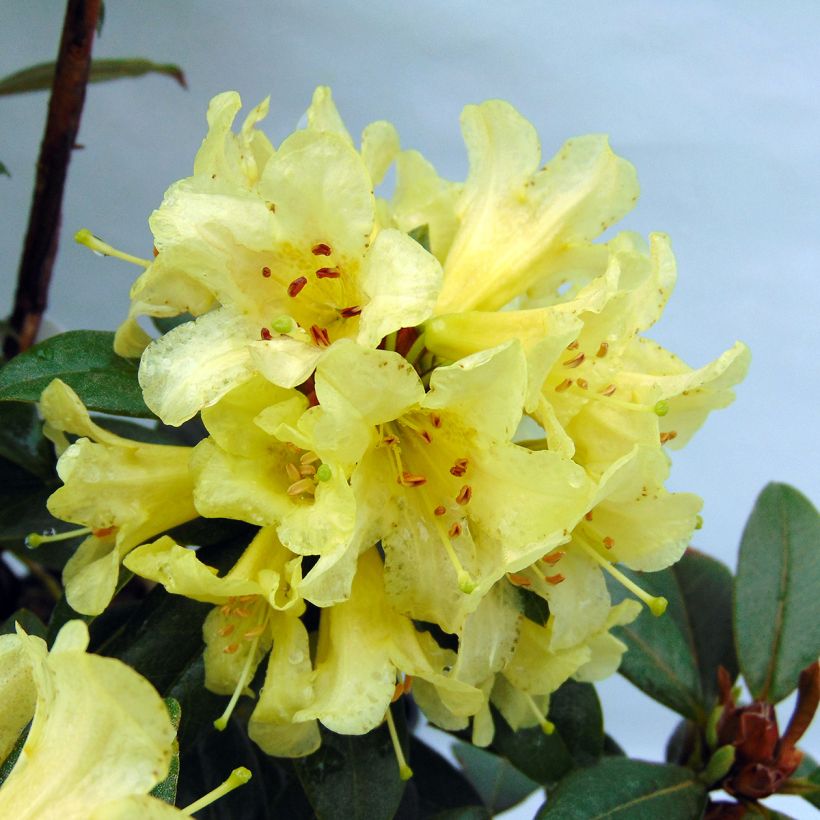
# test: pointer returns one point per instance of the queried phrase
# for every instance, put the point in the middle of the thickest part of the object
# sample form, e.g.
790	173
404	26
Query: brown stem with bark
64	110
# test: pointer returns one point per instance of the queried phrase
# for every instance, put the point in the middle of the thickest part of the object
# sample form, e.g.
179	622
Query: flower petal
513	218
122	746
195	364
402	281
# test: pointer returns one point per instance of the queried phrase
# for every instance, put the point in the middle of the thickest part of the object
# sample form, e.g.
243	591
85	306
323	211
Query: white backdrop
715	103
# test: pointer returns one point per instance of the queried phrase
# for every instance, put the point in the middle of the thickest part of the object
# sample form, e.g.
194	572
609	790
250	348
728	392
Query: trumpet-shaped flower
100	733
365	647
513	221
456	503
632	520
123	492
257	607
276	271
514	662
244	471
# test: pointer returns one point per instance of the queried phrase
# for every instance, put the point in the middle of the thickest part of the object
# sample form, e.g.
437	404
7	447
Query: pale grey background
716	103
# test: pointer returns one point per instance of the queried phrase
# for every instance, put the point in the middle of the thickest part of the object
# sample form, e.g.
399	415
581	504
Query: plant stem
64	109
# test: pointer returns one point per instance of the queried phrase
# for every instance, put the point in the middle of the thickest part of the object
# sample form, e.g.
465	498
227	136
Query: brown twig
64	110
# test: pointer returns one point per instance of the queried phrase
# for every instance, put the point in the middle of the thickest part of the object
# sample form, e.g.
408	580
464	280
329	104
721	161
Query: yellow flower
277	269
454	502
511	225
250	469
100	733
364	649
257	606
516	665
363	644
123	492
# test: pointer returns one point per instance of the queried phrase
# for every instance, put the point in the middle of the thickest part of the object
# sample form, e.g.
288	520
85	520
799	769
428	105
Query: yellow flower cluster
364	368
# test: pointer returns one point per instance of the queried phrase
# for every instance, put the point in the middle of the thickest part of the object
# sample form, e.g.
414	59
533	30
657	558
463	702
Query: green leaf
674	658
683	743
576	712
706	586
612	748
84	360
27	619
422	235
436	787
22	441
41	76
167	790
498	782
353	777
543	758
215	755
777	606
4	171
629	789
809	771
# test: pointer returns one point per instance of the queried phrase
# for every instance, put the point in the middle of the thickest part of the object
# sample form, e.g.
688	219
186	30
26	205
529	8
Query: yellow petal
513	218
69	767
195	364
402	282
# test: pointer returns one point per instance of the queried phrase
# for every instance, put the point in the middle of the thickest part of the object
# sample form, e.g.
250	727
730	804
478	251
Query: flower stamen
238	777
655	603
35	539
405	772
94	243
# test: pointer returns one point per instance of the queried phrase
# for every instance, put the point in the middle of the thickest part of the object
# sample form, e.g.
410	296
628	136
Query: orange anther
519	580
464	494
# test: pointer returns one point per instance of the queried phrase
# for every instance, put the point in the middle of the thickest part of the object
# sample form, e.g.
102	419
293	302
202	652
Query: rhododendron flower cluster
438	406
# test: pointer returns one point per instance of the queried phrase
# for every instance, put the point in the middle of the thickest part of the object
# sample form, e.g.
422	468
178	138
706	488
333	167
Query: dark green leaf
436	786
498	782
167	790
84	360
576	712
683	743
777	606
27	619
674	657
41	76
809	770
4	171
463	813
543	758
201	707
706	586
629	789
210	762
23	510
612	748
353	777
22	441
422	235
